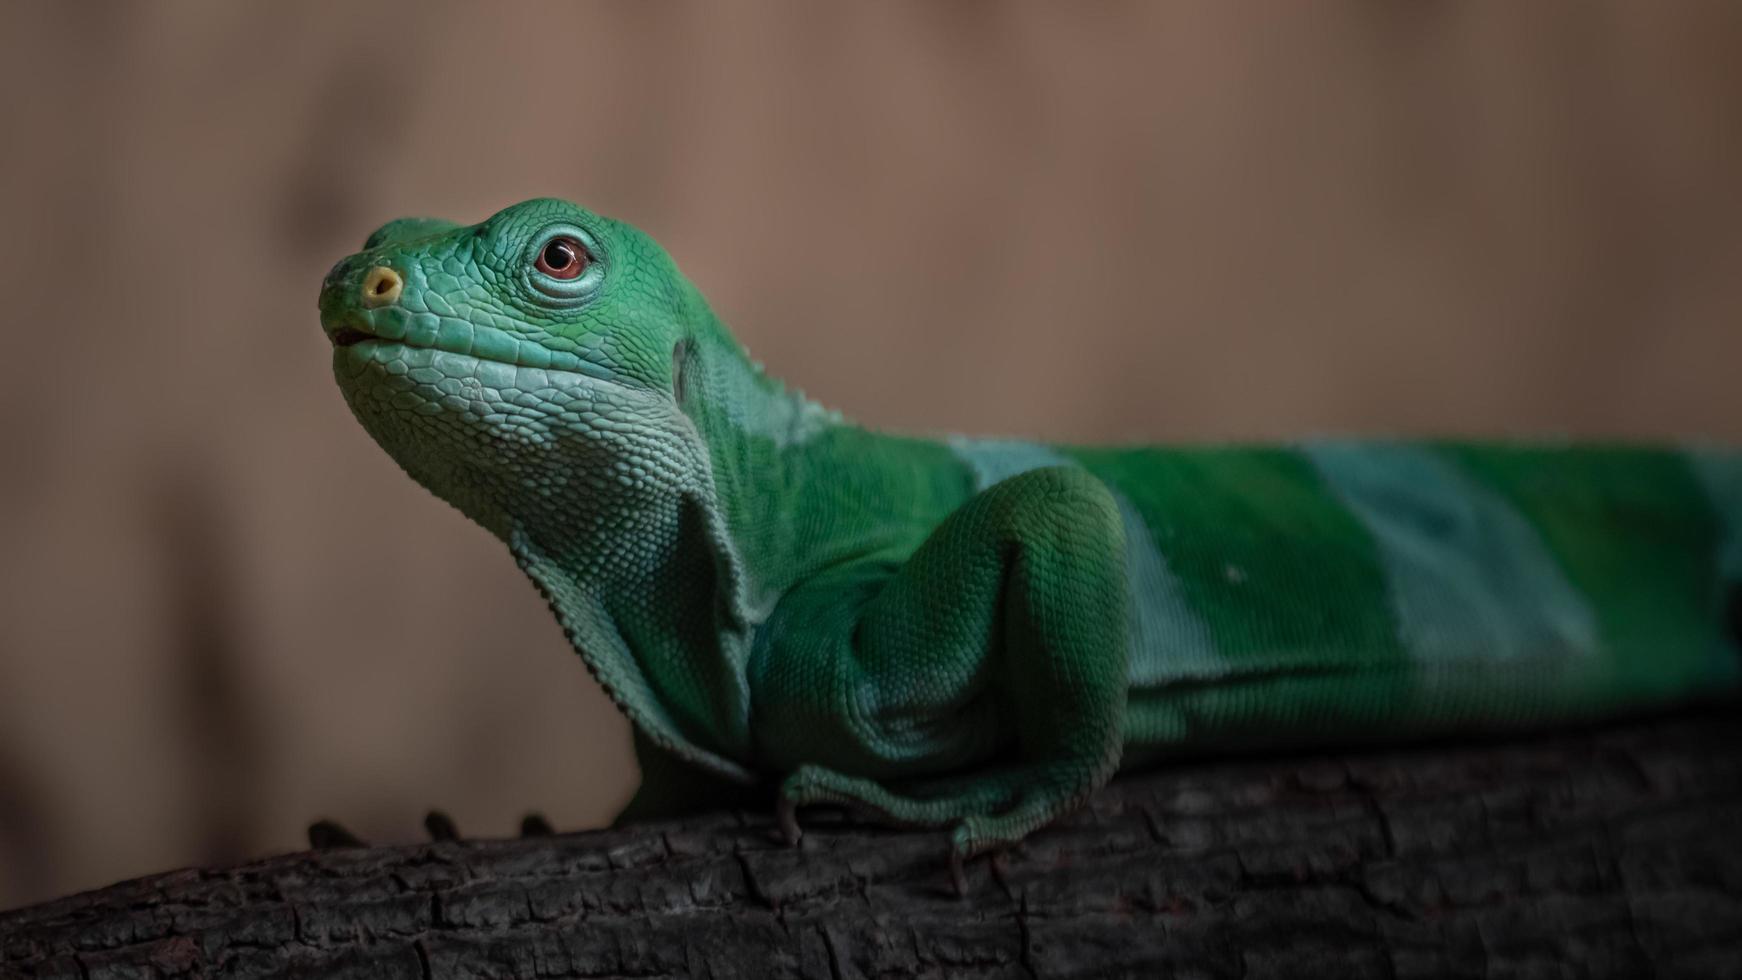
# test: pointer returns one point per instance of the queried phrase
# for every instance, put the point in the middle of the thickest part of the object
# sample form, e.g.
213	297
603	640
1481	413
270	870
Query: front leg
982	686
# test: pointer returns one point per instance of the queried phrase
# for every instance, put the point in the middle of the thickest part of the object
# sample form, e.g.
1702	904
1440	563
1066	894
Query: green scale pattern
976	633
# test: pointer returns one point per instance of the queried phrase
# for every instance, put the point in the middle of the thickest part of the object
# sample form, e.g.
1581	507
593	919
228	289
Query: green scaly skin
978	633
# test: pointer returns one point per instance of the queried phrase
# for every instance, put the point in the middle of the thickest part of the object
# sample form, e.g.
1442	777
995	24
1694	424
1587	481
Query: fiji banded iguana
977	633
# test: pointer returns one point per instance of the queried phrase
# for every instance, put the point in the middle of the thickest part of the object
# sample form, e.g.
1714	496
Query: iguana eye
562	258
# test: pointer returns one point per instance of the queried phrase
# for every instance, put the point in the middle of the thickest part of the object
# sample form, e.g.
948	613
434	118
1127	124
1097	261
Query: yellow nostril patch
381	286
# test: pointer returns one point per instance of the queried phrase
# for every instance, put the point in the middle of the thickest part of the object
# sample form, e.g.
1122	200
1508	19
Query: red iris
562	258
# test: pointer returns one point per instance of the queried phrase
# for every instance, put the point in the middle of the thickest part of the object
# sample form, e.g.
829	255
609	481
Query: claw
324	834
440	826
958	872
786	814
534	825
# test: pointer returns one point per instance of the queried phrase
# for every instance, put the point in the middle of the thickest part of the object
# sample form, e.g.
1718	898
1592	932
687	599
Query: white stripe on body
1470	578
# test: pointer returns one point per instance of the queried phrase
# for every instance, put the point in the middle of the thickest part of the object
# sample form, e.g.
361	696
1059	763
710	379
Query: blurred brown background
224	612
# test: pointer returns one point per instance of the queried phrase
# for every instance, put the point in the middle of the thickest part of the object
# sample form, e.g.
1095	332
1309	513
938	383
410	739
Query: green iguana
977	633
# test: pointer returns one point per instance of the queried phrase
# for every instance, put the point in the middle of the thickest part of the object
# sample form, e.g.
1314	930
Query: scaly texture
1591	854
977	633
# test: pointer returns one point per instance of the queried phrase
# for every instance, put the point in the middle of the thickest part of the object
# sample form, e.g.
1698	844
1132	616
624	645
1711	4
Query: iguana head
520	368
527	370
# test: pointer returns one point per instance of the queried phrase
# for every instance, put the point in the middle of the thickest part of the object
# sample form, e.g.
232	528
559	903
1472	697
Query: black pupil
559	255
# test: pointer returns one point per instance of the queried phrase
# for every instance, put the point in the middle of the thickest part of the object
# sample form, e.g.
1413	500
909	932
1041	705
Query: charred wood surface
1613	851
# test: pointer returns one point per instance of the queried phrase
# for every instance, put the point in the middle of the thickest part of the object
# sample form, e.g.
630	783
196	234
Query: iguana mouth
522	355
347	330
346	336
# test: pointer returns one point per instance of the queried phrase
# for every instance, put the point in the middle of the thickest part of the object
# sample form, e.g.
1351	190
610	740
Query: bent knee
1067	496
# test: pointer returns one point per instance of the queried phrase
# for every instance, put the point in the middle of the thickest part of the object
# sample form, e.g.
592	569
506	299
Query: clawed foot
327	834
786	817
984	815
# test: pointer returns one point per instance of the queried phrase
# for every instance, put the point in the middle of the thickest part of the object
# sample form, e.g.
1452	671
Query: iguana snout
355	286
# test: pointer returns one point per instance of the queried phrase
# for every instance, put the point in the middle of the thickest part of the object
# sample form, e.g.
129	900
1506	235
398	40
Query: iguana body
977	633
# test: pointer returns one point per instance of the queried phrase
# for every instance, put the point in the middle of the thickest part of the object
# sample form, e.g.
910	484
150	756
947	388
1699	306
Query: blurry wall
224	612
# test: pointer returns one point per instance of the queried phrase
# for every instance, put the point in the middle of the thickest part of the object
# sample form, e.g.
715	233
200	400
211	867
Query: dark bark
1606	852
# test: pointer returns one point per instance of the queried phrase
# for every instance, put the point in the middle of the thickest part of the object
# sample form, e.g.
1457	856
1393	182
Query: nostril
381	286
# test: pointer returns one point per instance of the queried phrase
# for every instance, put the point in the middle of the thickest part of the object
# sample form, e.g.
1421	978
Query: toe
786	815
324	834
958	868
440	826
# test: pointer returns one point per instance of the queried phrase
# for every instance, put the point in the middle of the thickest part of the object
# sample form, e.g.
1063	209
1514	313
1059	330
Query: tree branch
1613	851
